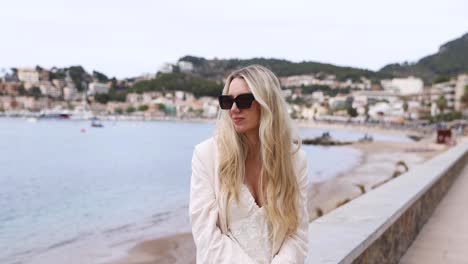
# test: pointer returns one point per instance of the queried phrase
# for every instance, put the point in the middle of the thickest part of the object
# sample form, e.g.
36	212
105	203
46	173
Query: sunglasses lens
225	102
244	101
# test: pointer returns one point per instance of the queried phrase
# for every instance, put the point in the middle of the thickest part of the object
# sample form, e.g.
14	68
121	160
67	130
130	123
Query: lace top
248	225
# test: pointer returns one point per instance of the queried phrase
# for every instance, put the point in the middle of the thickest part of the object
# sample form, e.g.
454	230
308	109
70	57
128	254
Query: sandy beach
176	249
380	162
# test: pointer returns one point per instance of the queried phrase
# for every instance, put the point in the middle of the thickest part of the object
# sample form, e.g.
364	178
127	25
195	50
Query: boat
56	112
95	122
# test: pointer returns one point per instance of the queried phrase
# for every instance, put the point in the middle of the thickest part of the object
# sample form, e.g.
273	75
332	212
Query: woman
249	182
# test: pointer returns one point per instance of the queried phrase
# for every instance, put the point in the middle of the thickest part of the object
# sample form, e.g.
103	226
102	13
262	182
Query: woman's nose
234	108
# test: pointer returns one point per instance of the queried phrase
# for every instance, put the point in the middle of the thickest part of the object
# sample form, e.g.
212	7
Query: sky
130	38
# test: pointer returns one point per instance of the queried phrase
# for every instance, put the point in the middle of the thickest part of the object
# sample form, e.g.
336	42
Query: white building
446	90
403	86
210	106
166	68
70	93
134	98
47	88
59	83
98	88
185	66
286	92
462	82
297	80
26	102
337	101
318	96
28	75
376	96
179	95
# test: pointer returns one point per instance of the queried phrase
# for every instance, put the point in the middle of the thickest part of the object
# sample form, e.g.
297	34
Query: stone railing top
343	234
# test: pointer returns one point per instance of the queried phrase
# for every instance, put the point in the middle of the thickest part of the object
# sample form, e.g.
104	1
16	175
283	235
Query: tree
102	98
441	79
77	74
405	107
117	96
162	107
441	103
366	111
21	90
15	72
143	108
100	76
352	111
130	109
35	92
464	98
118	111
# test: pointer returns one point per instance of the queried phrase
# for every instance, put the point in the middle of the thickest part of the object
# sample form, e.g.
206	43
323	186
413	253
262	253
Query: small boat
415	137
366	138
95	123
57	113
325	140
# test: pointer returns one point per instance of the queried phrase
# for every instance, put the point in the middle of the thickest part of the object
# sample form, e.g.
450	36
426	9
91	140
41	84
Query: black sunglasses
243	101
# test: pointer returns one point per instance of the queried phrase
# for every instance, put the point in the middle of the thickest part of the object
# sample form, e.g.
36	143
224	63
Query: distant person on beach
249	182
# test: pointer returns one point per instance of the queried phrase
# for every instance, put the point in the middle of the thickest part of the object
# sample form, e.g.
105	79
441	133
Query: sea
72	193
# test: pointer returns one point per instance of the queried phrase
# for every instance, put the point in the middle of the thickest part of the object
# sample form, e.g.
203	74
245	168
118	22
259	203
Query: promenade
444	238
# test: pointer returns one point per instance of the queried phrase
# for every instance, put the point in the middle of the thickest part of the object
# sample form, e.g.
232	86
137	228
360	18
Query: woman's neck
253	142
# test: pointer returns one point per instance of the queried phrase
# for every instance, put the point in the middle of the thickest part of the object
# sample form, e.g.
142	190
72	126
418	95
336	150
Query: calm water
69	192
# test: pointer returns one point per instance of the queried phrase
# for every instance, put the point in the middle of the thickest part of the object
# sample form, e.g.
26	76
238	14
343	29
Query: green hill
450	60
217	69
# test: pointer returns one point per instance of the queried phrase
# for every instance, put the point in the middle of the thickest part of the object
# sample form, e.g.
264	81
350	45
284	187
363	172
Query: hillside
450	60
217	69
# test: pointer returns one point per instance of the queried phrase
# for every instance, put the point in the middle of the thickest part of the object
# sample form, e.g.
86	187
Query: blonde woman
249	182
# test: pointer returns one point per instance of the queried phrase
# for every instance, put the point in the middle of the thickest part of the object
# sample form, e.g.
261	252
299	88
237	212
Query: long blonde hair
278	187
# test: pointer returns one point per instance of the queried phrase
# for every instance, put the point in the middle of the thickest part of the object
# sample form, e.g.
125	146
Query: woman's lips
237	120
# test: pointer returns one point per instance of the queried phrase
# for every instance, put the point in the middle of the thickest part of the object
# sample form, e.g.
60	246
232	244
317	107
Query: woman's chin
244	129
240	129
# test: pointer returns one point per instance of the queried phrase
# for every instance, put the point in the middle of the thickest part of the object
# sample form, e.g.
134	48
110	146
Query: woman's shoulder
206	146
298	153
300	158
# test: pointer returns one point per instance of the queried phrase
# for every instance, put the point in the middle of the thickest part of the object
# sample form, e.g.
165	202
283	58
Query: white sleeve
212	246
295	246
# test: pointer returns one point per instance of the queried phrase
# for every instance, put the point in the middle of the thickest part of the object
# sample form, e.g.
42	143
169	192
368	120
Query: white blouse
248	225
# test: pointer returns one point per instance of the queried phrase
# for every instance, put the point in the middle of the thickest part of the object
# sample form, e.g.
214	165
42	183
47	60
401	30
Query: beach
380	162
176	249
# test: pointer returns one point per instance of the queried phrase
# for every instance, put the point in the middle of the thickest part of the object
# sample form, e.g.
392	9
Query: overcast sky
128	38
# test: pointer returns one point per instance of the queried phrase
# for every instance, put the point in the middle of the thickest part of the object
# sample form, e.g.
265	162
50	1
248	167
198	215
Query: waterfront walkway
444	238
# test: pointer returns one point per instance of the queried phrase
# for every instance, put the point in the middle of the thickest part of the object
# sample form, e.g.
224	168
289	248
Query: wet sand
176	249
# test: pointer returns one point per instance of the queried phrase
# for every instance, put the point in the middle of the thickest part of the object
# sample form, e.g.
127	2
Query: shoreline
380	162
385	129
364	128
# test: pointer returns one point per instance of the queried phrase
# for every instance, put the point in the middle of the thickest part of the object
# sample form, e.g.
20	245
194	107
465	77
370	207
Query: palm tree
405	108
441	103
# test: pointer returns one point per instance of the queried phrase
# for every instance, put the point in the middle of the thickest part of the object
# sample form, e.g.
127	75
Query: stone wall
379	226
394	242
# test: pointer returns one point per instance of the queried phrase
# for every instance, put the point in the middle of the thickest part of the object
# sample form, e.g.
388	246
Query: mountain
217	69
450	60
